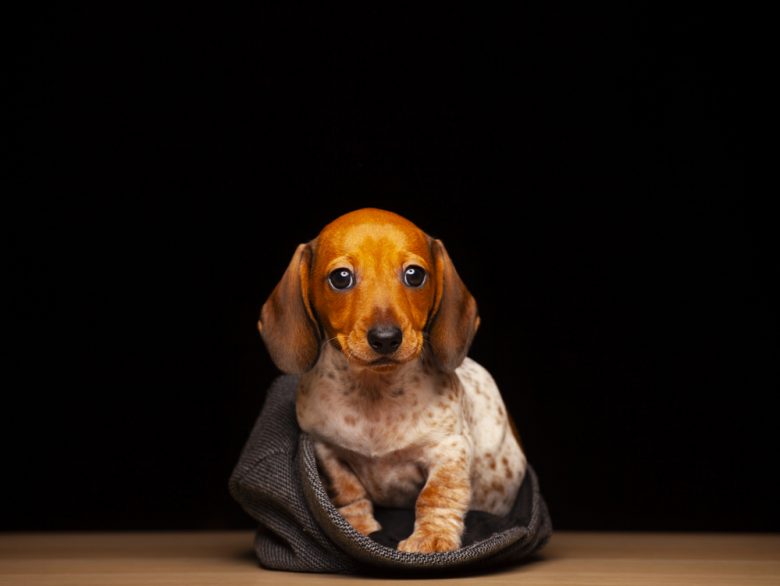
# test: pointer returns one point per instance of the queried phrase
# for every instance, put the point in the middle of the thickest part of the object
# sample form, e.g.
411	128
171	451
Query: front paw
365	525
429	542
360	515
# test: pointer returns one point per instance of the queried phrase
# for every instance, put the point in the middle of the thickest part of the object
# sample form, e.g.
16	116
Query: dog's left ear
454	318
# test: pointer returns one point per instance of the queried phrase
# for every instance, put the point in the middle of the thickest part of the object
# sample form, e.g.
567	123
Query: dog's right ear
287	323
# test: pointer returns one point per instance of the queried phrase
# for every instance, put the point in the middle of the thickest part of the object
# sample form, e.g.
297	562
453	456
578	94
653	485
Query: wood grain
225	559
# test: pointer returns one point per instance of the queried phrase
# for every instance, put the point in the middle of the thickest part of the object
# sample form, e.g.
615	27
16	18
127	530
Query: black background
164	164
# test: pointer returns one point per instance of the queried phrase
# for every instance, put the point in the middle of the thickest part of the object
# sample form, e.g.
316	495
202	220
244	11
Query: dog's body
400	417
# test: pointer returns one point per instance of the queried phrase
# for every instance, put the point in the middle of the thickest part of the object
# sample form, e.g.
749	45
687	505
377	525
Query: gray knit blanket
277	482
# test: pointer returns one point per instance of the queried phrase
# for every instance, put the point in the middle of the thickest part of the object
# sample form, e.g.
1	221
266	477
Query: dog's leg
346	492
441	507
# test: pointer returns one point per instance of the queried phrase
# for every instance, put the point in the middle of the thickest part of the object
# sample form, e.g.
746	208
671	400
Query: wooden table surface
225	558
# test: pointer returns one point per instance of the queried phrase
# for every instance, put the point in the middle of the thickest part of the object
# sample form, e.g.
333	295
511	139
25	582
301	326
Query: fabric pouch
277	482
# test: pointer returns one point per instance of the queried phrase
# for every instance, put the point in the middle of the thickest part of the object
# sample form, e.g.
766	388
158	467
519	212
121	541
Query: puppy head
377	288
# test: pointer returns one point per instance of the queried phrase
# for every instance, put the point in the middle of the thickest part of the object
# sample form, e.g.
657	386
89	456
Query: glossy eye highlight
414	276
341	279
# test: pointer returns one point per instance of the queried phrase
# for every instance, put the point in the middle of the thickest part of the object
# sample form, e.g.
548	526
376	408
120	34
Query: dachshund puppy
377	322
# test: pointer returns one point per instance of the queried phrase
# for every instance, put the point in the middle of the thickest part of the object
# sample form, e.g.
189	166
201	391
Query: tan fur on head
376	245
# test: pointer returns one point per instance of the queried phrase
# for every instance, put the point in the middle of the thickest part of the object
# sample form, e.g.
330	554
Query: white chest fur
375	414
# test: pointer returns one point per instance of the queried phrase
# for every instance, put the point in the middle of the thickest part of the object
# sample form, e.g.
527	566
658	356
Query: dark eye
341	279
414	276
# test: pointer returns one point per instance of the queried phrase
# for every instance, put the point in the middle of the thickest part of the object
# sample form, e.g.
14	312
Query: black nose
385	339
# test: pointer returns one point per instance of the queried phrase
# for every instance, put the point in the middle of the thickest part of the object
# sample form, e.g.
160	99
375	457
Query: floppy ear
454	318
287	322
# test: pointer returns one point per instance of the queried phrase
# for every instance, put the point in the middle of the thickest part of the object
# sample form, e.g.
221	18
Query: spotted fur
416	437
